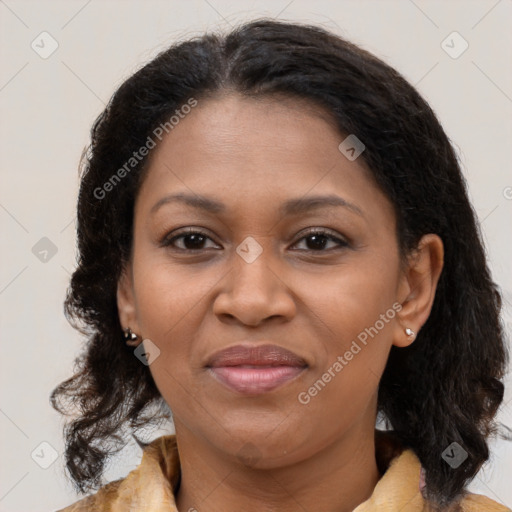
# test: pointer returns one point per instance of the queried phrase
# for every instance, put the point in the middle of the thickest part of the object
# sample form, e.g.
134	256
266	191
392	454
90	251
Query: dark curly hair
446	387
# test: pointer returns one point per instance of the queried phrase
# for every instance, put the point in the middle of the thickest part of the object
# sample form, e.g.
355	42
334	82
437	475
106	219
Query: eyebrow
290	207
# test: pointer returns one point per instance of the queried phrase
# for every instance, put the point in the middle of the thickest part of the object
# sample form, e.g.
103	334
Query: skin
259	452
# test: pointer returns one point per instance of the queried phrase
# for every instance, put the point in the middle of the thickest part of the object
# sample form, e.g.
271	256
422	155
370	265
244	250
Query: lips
250	369
251	355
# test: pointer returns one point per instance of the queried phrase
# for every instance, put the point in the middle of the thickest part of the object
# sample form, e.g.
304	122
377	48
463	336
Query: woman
276	243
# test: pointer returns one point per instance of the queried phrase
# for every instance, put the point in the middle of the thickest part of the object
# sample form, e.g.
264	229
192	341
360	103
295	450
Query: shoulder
479	503
101	501
149	486
403	477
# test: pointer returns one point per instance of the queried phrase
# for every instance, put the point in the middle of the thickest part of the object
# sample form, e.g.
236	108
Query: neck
336	479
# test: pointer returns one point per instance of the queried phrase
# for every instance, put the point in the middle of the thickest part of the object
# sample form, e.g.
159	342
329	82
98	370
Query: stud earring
410	332
130	338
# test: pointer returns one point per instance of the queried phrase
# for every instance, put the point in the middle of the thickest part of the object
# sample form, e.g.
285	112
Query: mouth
252	370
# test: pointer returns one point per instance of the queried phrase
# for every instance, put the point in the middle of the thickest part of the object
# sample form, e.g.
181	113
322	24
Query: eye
190	239
317	240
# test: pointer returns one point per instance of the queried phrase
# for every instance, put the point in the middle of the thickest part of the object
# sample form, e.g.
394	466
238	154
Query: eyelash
168	242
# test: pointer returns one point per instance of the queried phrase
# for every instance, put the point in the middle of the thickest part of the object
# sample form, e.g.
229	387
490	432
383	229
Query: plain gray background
47	108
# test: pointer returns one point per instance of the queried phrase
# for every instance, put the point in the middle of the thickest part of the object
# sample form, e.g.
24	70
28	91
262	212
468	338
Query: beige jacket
151	486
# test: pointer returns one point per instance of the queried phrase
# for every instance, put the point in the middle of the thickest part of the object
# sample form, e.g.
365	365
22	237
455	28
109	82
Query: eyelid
168	238
341	240
328	233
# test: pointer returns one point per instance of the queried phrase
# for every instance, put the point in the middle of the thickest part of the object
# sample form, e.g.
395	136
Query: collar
151	487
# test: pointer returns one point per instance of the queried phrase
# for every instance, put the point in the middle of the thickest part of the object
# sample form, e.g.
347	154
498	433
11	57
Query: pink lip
251	369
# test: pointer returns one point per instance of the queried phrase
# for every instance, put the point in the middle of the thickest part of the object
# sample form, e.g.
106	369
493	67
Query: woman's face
253	175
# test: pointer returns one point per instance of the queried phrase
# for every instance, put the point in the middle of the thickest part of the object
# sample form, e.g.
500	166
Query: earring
410	333
130	338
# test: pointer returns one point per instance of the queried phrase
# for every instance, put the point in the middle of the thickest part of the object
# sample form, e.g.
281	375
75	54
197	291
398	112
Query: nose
254	293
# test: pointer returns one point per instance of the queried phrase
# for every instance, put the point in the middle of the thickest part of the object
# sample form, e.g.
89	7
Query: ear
417	288
126	301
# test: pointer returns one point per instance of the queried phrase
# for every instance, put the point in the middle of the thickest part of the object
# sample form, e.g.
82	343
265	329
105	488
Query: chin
261	449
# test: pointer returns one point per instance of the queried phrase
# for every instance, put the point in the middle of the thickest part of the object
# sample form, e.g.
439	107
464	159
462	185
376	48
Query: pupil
196	241
314	241
319	241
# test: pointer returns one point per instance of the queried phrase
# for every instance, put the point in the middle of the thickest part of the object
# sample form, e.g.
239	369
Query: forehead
255	151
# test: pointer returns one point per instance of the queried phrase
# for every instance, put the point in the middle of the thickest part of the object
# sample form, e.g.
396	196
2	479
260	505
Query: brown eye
190	240
318	241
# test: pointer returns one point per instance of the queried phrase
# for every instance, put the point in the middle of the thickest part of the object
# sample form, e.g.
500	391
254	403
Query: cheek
168	297
357	311
172	304
169	307
342	388
352	299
